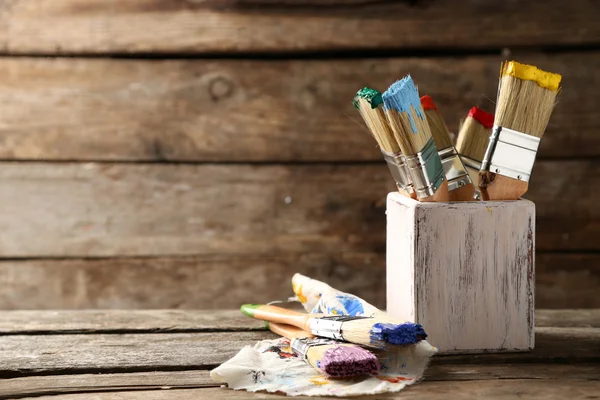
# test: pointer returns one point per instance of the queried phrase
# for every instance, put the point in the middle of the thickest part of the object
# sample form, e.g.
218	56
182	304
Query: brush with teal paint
374	332
406	117
369	104
331	358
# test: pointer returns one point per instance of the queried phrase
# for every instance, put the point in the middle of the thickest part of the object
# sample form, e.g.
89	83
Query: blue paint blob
400	96
352	305
397	334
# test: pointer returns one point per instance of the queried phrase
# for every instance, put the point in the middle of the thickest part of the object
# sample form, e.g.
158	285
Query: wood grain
243	26
181	282
24	355
181	359
95	210
468	372
562	281
493	390
123	321
65	210
568	318
90	383
252	110
93	353
567	280
178	321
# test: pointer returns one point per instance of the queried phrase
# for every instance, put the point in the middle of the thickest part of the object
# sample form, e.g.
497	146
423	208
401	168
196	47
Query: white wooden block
465	271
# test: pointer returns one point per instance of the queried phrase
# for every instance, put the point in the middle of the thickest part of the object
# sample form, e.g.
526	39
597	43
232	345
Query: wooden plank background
182	154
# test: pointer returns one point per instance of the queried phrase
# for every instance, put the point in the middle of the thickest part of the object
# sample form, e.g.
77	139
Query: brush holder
465	271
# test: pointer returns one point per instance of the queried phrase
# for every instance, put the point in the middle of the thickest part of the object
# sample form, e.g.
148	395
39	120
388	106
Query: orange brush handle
277	315
464	193
289	331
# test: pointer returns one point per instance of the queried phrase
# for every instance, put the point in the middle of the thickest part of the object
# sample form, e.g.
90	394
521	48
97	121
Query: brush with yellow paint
411	130
472	141
460	187
526	98
374	332
331	358
369	104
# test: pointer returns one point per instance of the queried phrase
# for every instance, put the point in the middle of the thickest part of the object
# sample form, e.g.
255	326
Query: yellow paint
298	290
526	72
488	209
319	380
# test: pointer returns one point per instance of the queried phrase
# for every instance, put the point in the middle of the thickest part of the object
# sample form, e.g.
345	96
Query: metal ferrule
454	169
510	153
327	328
426	170
301	346
473	167
399	170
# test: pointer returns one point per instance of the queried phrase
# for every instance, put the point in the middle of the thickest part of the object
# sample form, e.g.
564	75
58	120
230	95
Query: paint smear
483	117
298	290
547	80
319	380
394	379
346	304
427	103
401	96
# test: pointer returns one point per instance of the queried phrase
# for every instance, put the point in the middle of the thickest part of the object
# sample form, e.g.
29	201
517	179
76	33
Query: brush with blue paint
374	332
406	117
369	104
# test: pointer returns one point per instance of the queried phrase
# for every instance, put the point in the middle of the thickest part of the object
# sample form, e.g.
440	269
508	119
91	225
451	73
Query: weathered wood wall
196	154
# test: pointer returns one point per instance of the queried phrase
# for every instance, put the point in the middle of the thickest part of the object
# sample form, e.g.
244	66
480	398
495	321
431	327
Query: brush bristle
342	360
381	333
526	98
406	116
397	334
473	136
369	104
439	130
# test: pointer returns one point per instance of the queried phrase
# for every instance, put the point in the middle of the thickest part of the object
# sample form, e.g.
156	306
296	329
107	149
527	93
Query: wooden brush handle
500	187
464	193
289	331
440	196
405	193
281	316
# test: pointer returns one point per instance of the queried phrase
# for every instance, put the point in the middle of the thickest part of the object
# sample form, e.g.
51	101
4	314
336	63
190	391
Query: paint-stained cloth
271	366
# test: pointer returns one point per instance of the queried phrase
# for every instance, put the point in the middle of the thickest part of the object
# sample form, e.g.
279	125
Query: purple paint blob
346	361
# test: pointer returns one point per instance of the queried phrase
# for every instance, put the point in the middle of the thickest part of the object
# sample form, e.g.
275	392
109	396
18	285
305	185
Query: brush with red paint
460	187
472	142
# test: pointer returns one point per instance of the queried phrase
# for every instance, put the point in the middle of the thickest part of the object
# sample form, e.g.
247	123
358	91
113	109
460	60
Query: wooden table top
167	354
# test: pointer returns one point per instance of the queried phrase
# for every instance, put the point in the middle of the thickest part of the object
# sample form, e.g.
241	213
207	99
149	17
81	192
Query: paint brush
526	98
369	104
411	130
460	187
373	332
331	358
472	142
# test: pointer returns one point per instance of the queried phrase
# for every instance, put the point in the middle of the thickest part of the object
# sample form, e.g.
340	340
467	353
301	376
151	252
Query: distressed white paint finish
465	271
